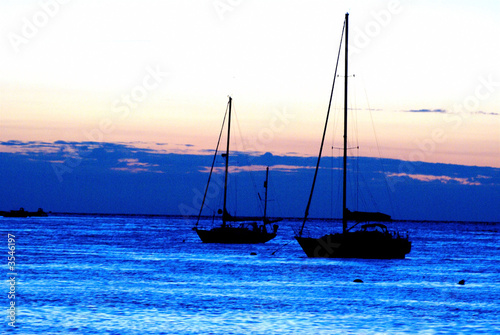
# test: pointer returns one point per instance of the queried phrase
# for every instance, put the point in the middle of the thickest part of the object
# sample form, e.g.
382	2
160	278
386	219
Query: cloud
133	162
442	179
426	111
250	168
133	178
444	111
486	113
134	166
28	147
132	170
11	143
14	146
366	109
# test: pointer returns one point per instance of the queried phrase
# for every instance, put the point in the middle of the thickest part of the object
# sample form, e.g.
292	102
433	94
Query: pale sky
161	71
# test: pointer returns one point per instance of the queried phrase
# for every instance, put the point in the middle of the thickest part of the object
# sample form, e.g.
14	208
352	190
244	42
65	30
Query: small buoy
358	281
253	253
462	282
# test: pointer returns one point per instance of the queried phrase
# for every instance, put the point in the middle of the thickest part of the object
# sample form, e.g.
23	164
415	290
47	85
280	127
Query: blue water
152	275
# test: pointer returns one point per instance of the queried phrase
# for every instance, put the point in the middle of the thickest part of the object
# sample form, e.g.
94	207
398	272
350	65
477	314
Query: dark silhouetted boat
236	229
21	213
373	240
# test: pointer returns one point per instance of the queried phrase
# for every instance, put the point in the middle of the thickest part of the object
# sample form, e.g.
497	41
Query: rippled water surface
152	275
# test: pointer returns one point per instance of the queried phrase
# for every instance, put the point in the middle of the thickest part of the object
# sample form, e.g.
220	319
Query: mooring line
280	248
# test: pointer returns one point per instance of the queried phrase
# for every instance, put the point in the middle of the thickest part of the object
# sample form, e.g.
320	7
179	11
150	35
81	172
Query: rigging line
324	132
371	197
276	199
237	151
331	185
356	112
252	177
338	208
351	182
378	150
235	196
335	166
357	179
281	247
355	144
212	167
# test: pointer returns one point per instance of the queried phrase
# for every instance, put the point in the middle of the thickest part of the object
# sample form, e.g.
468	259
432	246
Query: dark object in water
21	213
462	282
357	281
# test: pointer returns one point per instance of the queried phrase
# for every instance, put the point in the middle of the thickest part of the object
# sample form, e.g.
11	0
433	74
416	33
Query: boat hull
366	245
234	235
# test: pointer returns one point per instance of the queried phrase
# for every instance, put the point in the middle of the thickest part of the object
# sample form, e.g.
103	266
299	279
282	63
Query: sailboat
236	229
373	240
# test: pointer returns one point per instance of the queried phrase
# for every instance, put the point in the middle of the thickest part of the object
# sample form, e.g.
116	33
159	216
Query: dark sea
152	275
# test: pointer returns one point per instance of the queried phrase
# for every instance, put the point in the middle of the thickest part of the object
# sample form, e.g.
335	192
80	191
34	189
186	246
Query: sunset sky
156	75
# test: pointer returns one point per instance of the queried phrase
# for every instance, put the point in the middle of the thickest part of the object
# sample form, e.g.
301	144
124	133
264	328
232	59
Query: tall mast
224	211
265	197
323	138
344	185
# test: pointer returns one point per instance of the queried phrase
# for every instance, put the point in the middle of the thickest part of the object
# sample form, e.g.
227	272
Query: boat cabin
374	227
